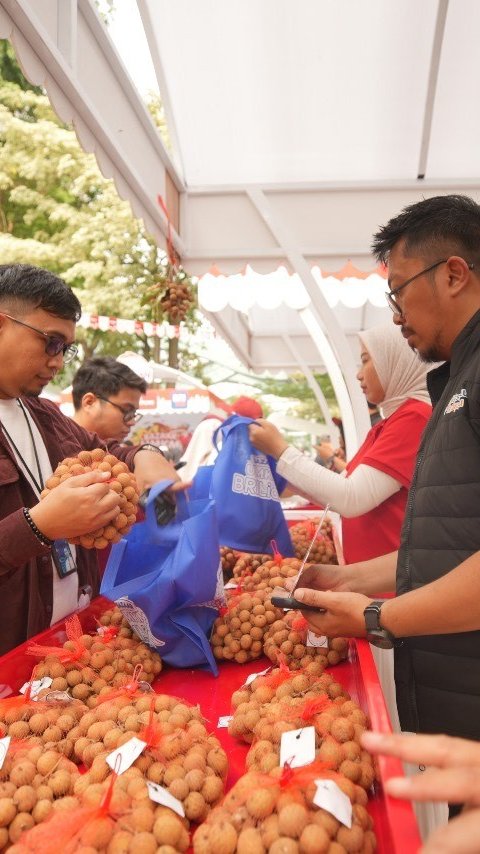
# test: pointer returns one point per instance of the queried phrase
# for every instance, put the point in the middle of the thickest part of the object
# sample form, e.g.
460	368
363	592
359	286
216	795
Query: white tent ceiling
298	127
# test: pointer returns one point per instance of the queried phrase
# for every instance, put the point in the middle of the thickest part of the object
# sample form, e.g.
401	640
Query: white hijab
401	372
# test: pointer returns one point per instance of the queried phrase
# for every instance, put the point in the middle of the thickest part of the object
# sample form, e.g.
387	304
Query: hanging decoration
171	297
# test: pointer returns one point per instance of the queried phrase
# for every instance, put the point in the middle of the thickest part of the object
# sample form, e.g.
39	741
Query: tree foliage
57	211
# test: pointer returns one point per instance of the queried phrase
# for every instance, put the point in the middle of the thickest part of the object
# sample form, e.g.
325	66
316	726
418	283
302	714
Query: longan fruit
97	833
120	842
41	810
23	821
167	829
60	783
351	838
8	811
195	807
217	759
22	773
292	819
25	798
284	845
19	729
261	803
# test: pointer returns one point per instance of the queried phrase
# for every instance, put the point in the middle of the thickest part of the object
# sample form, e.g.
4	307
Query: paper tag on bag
37	686
162	796
253	676
128	752
230	585
316	640
297	748
4	745
331	798
224	721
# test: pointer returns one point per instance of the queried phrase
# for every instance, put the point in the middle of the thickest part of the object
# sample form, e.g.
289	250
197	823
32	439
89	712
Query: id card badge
63	558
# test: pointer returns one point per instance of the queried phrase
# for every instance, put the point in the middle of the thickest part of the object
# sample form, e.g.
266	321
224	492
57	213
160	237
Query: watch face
380	638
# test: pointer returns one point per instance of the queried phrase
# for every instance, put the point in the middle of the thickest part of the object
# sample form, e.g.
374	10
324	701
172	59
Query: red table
395	825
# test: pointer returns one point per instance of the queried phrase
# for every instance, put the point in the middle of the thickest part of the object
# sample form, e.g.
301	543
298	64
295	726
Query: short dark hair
441	225
103	376
22	285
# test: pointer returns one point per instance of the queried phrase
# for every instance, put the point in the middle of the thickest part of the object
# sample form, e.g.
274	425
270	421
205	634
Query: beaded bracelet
43	539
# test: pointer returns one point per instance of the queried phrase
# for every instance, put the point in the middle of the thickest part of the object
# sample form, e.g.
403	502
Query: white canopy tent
298	126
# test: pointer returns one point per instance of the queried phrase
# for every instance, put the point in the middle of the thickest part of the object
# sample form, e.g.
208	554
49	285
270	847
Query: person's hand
265	437
453	766
459	836
324	576
325	451
453	774
343	615
150	467
77	506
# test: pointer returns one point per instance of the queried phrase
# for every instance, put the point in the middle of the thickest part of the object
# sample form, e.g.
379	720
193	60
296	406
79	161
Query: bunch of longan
44	722
122	481
180	754
338	727
288	638
103	665
238	634
228	558
254	703
323	548
271	573
247	564
32	782
259	815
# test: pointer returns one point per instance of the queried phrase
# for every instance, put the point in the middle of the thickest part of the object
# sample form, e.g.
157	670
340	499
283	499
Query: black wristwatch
377	635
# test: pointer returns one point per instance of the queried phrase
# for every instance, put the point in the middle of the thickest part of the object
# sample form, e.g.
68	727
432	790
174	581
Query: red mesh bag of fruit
275	813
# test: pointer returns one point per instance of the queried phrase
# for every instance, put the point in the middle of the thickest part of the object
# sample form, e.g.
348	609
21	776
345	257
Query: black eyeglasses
390	295
129	415
53	344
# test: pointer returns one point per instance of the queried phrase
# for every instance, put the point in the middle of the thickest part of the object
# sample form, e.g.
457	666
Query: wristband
43	539
150	447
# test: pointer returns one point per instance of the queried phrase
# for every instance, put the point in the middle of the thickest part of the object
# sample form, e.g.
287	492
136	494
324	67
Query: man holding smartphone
433	253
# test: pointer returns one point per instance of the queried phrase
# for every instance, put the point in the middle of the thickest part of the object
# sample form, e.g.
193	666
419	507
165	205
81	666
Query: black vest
438	676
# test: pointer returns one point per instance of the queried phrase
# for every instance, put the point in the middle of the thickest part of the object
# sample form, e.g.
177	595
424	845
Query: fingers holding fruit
91	500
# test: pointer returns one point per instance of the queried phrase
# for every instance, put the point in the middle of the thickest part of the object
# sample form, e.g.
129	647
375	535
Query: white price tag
162	796
230	585
224	721
316	640
128	752
253	676
331	798
4	745
297	747
37	686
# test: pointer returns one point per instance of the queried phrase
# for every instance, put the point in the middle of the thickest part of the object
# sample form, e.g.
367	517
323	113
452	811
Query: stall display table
394	821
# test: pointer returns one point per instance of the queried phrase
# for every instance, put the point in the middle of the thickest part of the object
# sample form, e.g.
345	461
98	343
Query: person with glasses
42	577
432	249
106	397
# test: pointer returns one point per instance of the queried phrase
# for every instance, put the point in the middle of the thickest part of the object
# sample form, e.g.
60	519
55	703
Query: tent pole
339	362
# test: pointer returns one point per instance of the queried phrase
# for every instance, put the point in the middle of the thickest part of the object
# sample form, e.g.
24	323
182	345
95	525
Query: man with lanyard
433	254
42	578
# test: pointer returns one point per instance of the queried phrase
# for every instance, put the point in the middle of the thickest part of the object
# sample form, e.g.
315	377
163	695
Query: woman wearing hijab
371	493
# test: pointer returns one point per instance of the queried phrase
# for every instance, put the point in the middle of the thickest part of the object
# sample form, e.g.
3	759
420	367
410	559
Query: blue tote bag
245	485
166	580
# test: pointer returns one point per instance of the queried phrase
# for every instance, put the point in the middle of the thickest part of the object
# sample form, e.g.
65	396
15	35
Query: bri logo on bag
456	402
137	619
257	480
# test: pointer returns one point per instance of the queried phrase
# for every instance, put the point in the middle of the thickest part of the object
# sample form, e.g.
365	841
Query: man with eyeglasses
42	578
106	397
432	249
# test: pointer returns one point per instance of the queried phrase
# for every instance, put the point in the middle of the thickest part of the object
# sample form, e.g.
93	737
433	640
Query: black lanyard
39	484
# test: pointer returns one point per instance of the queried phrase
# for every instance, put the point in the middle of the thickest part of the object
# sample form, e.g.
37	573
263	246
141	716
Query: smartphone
289	603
